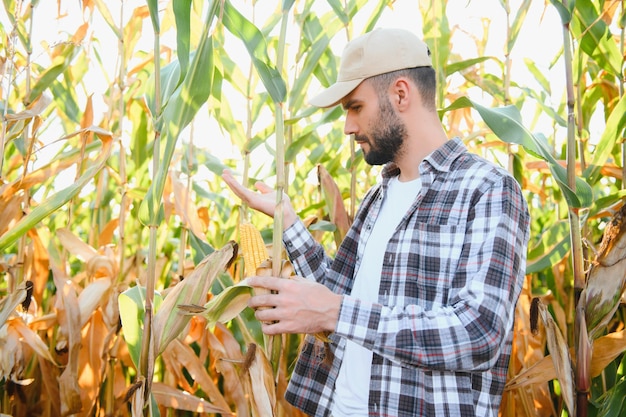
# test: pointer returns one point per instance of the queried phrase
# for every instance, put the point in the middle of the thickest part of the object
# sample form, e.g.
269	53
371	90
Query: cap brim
334	94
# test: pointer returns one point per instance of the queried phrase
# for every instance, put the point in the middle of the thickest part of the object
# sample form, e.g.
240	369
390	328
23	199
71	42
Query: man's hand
297	305
263	201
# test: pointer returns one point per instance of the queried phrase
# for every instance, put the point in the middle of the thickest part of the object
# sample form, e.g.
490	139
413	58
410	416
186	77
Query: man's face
386	136
375	125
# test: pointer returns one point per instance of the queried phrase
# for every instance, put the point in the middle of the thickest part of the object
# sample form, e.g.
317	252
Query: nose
350	126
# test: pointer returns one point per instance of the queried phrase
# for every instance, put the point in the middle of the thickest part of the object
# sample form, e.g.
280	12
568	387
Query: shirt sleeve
468	332
306	254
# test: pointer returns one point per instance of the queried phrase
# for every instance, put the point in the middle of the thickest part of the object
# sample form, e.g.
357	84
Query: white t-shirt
352	385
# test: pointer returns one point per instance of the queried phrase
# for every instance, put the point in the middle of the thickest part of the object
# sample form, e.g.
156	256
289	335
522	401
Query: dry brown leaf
334	200
92	360
11	209
37	265
186	357
186	207
528	349
559	351
101	266
68	314
181	400
262	386
10	303
91	297
606	349
227	352
541	372
34	109
32	339
75	246
11	360
49	375
106	234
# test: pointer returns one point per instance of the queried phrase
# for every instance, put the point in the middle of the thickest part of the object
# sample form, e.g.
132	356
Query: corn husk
606	279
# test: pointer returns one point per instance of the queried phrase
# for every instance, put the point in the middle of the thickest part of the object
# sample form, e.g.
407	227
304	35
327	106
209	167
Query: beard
387	137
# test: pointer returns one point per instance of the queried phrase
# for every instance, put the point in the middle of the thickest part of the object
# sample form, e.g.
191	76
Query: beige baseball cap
377	52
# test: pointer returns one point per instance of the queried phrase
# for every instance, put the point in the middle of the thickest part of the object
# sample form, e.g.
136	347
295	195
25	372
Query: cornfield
124	257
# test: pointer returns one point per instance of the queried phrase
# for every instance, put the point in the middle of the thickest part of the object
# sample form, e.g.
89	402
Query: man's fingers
270	283
263	187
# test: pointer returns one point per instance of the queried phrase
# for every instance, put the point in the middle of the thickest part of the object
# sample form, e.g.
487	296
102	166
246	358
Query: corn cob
252	248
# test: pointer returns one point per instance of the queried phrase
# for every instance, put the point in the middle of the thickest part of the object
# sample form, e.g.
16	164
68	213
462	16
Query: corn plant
123	288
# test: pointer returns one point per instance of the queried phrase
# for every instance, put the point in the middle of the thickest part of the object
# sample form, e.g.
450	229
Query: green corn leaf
153	7
255	43
553	246
564	12
106	15
595	37
376	13
227	304
132	312
518	23
57	200
179	111
60	63
612	133
462	65
538	74
182	14
506	123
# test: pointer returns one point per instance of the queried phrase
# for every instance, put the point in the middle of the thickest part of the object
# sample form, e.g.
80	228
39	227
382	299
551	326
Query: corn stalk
581	342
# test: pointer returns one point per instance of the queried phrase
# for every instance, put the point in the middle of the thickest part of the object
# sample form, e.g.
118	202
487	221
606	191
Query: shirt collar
440	159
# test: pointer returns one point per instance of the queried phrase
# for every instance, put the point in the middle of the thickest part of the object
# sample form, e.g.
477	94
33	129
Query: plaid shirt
441	331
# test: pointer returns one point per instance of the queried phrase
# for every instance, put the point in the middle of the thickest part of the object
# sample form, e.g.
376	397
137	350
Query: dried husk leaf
168	321
68	313
11	362
334	200
227	352
605	349
10	303
557	365
539	373
262	386
559	350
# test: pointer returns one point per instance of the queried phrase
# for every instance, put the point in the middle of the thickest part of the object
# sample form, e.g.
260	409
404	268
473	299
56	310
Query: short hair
424	78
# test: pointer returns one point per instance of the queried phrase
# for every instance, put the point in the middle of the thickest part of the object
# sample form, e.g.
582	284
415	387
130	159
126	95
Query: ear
401	94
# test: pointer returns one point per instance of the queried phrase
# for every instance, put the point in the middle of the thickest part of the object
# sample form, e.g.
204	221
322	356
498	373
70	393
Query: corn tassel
252	248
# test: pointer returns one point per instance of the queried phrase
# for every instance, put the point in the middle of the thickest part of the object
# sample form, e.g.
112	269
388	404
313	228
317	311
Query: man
420	298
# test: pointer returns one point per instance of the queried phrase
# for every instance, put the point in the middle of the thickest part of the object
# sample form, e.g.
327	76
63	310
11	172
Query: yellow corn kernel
252	248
